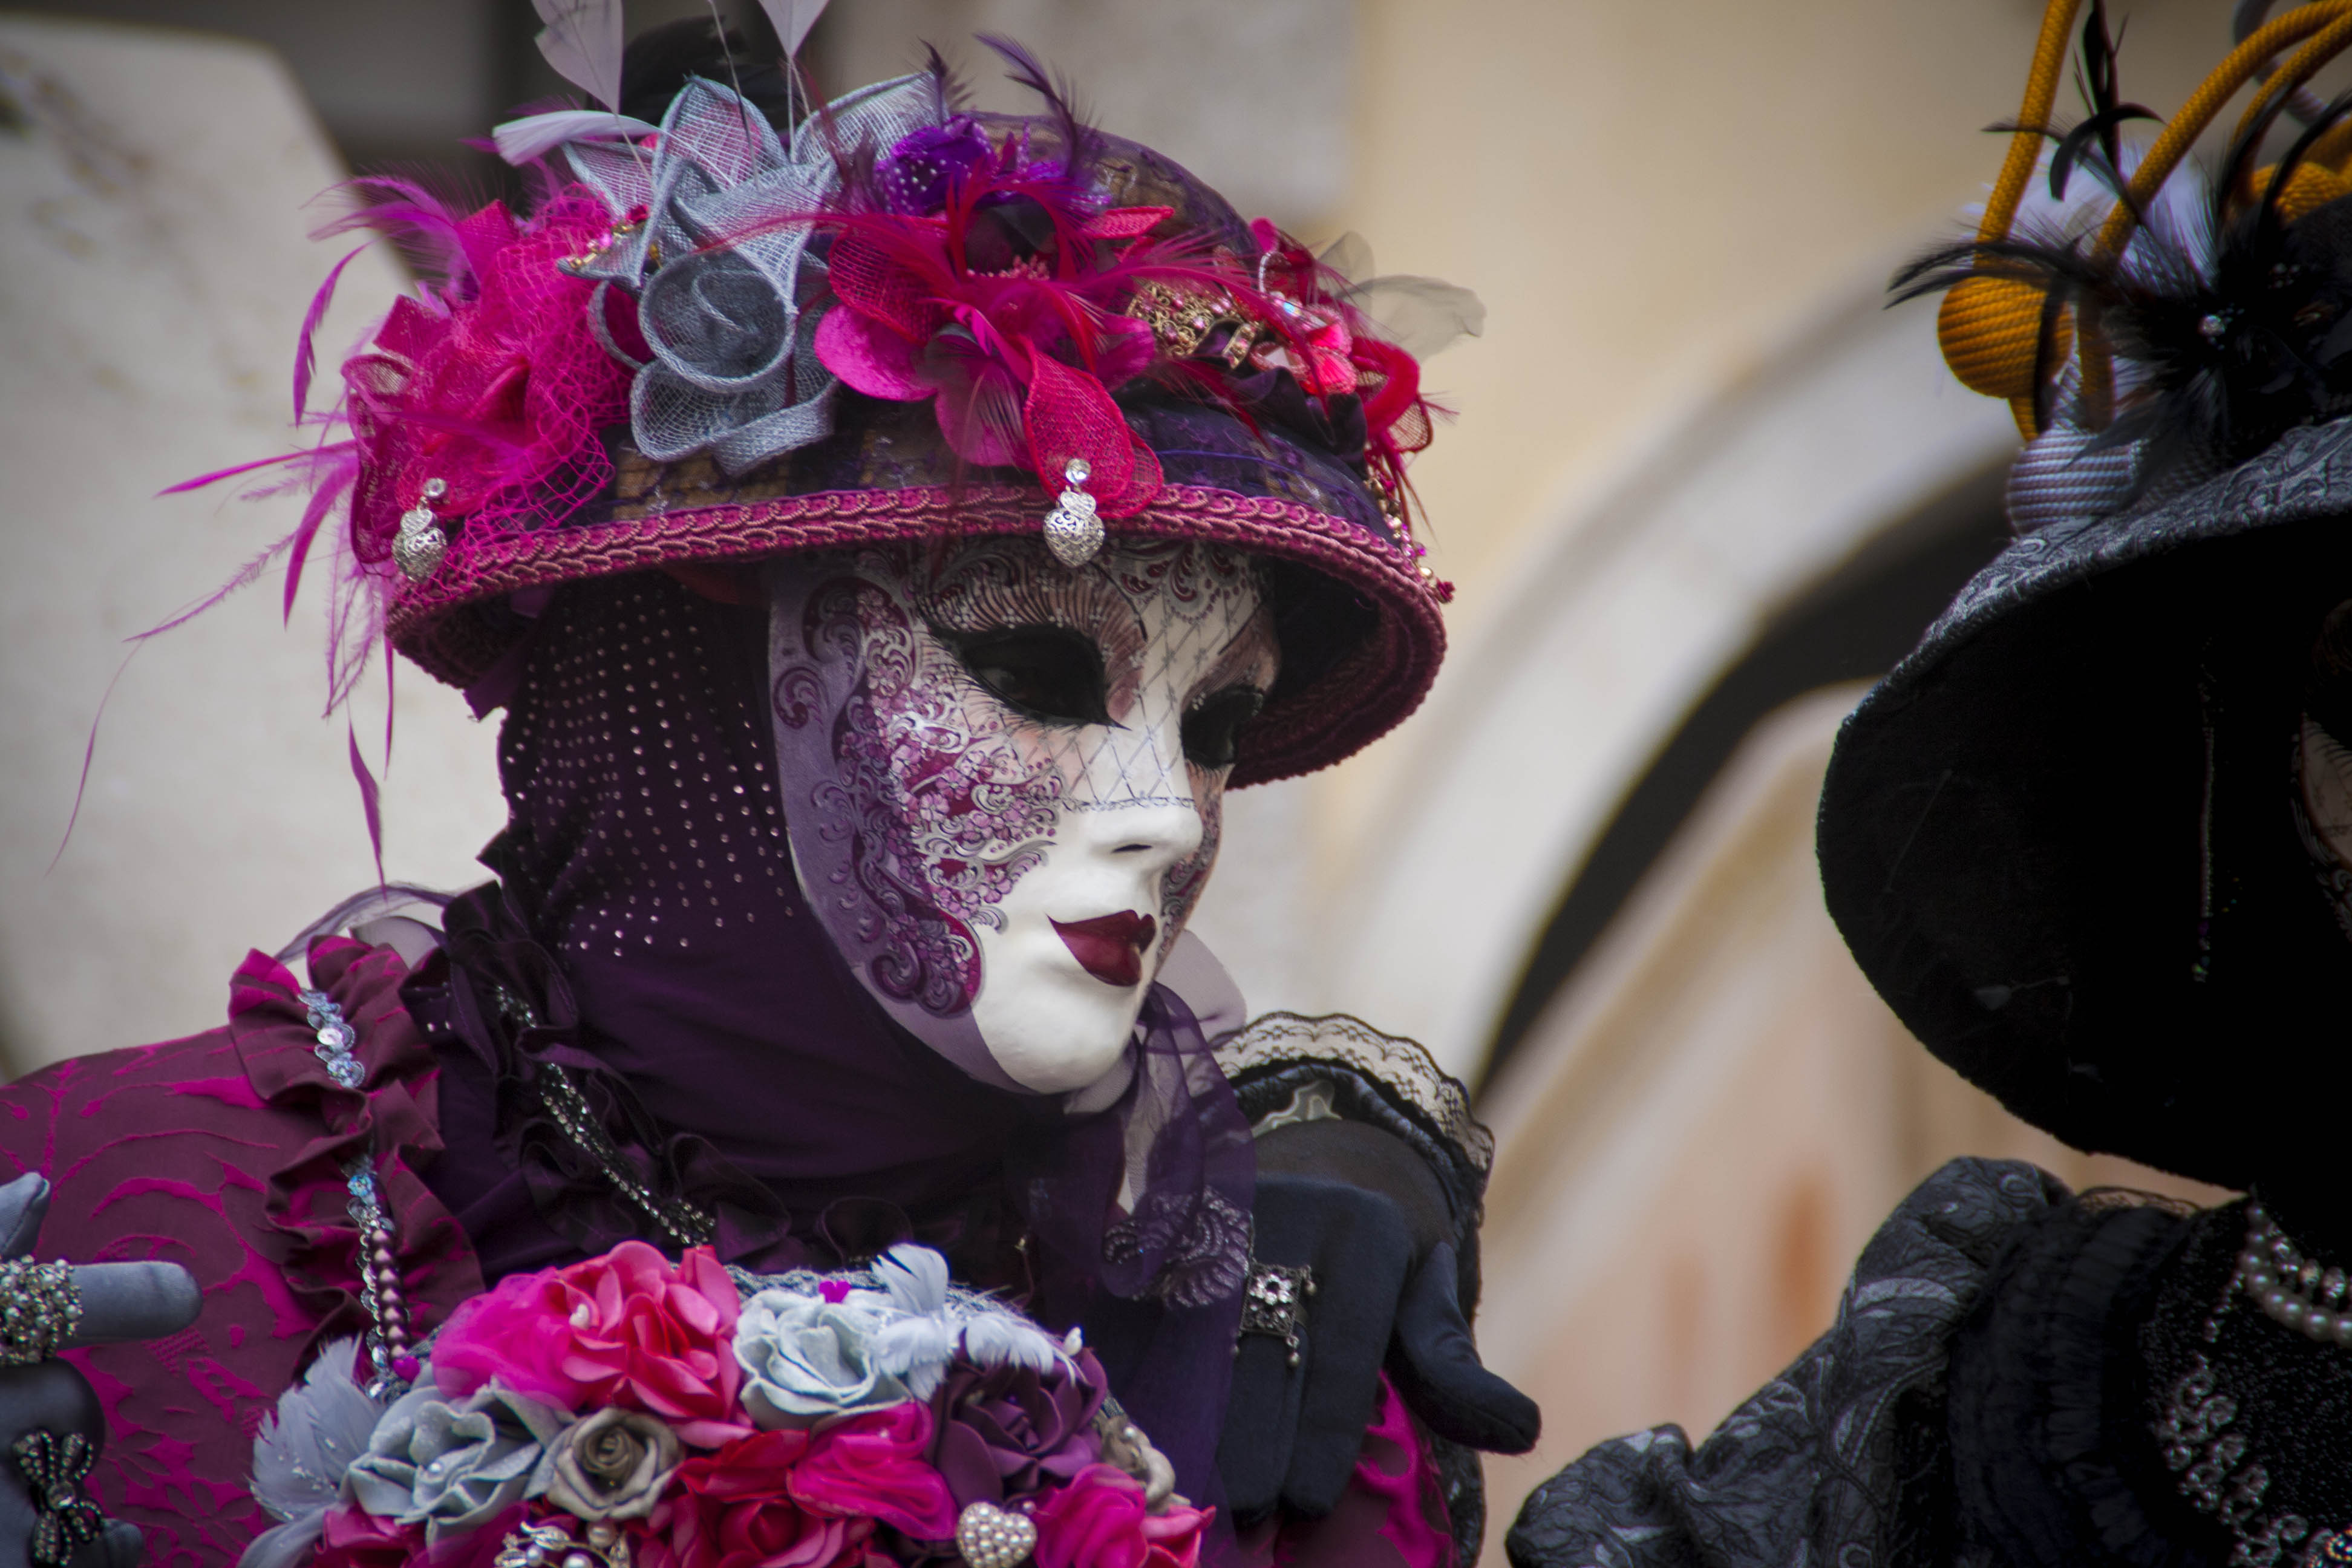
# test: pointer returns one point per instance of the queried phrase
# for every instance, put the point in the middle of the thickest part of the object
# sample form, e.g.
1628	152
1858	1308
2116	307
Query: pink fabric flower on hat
628	1328
1099	1521
1003	312
494	382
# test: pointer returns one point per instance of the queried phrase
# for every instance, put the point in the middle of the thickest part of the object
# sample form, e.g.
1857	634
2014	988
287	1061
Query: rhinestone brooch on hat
1073	530
421	544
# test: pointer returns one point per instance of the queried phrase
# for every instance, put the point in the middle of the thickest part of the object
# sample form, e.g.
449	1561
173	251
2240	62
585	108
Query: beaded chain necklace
681	1222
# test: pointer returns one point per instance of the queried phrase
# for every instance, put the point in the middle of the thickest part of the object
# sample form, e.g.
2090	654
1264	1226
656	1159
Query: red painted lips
1111	947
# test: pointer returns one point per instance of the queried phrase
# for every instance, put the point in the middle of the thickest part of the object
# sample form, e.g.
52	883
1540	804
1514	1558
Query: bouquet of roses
630	1412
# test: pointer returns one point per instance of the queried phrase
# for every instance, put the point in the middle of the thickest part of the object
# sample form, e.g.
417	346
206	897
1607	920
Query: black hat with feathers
2064	837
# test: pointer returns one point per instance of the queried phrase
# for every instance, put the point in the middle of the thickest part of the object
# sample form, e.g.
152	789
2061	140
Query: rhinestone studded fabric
641	818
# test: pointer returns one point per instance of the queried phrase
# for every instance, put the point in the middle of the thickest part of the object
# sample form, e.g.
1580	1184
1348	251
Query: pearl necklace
2292	1289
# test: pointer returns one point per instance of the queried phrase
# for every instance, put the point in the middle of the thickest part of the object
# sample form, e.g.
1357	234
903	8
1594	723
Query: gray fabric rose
613	1465
804	1359
453	1466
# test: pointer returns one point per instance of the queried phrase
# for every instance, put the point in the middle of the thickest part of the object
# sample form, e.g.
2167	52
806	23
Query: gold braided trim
2033	117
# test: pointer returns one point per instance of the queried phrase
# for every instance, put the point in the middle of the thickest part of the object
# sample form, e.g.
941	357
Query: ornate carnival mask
1003	778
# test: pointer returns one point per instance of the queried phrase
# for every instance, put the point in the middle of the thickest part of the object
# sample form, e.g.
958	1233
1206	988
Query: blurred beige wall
1666	208
1698	1136
154	194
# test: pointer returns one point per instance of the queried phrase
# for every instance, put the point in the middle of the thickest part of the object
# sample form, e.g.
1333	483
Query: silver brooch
1275	1304
1073	530
421	544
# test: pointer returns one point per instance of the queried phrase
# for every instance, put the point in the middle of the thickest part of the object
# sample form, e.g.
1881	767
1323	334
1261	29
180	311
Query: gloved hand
120	1301
1356	1205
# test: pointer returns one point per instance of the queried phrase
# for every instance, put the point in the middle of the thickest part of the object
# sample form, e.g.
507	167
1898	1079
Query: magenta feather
244	576
90	752
424	224
368	799
306	356
330	490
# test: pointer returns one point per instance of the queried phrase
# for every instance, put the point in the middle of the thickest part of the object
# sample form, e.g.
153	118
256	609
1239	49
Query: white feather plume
582	40
322	1423
916	1278
536	135
793	20
916	1351
1000	1339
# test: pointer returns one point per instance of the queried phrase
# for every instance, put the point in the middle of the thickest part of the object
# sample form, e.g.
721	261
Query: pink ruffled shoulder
225	1152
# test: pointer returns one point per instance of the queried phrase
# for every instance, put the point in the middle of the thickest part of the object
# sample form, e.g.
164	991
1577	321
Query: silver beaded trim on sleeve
1404	1067
376	1254
336	1037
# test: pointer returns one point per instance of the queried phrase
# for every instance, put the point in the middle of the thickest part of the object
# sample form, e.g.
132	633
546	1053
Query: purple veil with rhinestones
647	938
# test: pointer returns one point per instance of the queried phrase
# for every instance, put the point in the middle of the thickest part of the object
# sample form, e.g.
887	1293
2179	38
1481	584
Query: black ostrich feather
948	91
2218	356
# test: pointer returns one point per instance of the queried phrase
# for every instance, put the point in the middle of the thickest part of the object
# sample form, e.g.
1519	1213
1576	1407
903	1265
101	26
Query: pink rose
1099	1521
872	1466
352	1537
628	1328
733	1509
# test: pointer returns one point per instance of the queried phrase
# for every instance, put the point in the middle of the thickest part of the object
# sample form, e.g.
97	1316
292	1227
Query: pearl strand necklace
2299	1292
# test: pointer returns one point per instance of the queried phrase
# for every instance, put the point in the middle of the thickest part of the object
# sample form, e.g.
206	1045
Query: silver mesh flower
720	271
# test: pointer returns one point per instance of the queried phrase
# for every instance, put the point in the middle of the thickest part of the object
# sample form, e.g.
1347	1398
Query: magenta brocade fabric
224	1152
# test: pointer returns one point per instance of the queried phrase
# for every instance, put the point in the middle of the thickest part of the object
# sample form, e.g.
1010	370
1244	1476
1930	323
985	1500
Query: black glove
1385	1293
120	1301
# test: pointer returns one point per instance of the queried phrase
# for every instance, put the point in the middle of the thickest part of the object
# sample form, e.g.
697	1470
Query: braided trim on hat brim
1369	693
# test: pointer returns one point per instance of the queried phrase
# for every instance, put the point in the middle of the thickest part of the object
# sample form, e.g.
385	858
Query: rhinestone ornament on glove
1074	533
1275	1303
64	1521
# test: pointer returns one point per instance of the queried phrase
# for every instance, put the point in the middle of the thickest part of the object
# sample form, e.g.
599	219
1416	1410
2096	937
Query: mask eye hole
1213	727
1050	674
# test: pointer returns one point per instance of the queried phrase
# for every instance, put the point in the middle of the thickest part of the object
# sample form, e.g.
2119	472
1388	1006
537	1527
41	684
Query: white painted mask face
1001	779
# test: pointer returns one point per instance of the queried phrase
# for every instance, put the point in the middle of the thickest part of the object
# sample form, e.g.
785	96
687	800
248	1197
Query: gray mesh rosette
711	237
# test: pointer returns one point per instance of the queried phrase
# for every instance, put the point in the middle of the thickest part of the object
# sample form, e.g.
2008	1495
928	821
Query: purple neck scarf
649	937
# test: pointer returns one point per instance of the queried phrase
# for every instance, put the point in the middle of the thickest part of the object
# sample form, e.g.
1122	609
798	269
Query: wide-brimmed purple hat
709	339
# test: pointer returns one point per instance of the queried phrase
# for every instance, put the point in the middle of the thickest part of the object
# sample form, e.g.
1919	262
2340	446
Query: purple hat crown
709	339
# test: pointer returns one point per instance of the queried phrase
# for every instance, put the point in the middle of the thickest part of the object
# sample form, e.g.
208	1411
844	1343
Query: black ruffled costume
1991	1395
